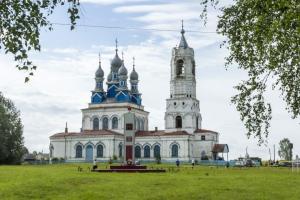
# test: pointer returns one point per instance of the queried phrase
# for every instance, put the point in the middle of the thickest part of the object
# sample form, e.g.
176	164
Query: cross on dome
133	62
182	30
116	45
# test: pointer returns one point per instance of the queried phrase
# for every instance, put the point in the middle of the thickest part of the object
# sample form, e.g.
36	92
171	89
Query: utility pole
270	155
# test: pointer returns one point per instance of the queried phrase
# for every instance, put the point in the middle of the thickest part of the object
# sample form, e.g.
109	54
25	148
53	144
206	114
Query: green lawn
65	182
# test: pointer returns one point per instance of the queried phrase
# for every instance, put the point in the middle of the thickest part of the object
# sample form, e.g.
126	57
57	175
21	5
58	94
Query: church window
147	152
183	103
156	151
171	96
115	123
178	122
99	84
174	149
99	151
202	137
105	123
197	122
120	150
78	151
96	124
174	103
179	67
137	152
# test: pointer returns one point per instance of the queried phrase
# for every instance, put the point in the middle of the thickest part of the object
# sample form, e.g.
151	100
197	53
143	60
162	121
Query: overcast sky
68	60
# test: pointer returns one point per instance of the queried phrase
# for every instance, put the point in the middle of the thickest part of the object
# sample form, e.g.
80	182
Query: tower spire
183	43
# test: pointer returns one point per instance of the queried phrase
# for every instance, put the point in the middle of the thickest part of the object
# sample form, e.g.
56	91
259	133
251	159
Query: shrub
158	159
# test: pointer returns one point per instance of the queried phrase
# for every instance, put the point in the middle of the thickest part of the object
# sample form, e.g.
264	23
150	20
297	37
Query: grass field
65	182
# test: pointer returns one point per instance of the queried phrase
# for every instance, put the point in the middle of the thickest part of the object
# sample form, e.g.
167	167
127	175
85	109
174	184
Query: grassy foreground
65	182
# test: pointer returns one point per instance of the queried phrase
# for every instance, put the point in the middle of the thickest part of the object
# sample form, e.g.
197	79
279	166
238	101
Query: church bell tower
182	109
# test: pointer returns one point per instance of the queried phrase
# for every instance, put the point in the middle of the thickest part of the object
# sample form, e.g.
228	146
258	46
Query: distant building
103	128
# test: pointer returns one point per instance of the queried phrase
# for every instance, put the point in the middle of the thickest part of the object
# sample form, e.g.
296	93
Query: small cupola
99	73
122	71
134	75
116	62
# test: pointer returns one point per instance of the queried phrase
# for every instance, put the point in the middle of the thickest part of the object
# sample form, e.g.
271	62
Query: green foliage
21	23
263	38
55	159
65	182
115	157
11	130
285	149
158	159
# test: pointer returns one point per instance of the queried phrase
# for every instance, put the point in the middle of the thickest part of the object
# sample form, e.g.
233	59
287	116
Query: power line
131	28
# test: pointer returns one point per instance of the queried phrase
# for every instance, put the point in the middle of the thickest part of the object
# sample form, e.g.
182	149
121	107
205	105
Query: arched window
202	137
174	151
89	152
96	124
178	122
105	123
197	122
157	151
120	150
99	151
137	151
179	67
115	123
147	152
78	151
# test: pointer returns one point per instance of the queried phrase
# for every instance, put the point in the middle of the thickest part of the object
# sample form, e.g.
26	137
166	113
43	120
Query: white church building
102	134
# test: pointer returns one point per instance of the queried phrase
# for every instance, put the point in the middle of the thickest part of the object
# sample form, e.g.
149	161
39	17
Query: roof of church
85	133
220	148
204	131
159	133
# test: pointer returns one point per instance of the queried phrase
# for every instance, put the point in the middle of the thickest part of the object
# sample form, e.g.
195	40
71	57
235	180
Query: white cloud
167	8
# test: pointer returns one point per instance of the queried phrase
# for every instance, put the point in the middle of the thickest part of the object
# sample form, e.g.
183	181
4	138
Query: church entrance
89	153
128	152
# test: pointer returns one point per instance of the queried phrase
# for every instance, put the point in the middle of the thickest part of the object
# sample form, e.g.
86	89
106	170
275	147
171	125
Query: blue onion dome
122	71
99	73
116	63
109	77
134	75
